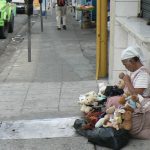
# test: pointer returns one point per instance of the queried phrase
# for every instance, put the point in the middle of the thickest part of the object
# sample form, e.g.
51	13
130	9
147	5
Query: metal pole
41	17
29	38
98	38
101	39
45	10
103	64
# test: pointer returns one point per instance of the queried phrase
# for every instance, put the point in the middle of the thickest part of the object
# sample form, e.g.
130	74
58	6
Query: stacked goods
85	7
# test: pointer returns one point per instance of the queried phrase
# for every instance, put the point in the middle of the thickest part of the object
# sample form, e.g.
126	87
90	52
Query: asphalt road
20	21
8	46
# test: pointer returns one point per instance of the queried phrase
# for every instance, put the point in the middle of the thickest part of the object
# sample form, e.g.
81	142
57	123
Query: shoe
58	28
64	27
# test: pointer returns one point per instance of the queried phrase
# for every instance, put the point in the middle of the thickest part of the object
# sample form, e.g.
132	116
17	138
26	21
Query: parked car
20	4
7	14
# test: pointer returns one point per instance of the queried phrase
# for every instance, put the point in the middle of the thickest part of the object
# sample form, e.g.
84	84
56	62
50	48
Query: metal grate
145	8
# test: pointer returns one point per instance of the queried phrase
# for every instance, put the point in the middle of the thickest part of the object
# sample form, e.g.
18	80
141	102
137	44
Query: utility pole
29	12
45	10
41	1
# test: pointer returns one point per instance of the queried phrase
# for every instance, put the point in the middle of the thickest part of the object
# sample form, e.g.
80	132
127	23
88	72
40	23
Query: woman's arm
130	87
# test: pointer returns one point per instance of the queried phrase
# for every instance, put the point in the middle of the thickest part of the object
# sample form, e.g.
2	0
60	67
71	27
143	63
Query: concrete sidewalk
62	68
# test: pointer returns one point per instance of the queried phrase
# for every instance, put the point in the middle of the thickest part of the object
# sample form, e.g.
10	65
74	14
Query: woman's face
129	64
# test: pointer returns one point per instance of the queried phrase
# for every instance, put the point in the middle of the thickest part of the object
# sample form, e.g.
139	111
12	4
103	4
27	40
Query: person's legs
74	10
64	16
64	20
58	17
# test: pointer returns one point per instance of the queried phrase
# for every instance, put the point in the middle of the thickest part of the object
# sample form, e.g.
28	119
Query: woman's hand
127	79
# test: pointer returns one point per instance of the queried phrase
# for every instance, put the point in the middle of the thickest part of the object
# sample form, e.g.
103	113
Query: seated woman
138	81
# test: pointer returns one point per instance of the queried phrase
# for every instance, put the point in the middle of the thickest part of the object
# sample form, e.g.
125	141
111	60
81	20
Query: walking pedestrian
73	7
61	13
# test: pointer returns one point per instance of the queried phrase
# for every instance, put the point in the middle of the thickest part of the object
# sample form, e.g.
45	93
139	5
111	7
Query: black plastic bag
107	137
113	91
78	123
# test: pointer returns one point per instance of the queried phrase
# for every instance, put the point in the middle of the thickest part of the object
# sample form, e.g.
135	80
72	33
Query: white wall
125	30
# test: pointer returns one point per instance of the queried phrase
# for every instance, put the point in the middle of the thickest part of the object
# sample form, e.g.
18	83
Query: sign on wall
36	5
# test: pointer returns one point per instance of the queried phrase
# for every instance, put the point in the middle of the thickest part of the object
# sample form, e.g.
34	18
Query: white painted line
40	128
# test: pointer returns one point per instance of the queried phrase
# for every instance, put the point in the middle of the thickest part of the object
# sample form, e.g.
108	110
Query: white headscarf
131	52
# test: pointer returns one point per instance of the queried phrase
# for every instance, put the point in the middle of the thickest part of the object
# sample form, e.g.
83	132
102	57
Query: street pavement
40	95
19	26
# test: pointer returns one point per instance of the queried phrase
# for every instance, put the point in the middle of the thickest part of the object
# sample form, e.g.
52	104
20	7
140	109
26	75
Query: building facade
126	29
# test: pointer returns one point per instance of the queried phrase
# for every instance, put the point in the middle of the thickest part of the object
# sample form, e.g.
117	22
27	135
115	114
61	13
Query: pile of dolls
95	113
107	126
